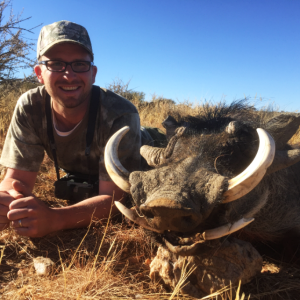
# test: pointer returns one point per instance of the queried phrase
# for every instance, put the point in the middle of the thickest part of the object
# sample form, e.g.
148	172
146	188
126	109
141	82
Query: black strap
95	101
93	110
50	134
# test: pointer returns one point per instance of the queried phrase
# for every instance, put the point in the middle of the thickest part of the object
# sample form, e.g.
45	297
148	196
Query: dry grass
155	112
110	259
9	96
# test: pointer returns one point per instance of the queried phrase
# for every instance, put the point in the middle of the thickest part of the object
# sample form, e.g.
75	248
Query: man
67	73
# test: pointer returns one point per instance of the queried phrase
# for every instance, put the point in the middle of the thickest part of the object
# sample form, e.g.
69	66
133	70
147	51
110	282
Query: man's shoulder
115	103
32	96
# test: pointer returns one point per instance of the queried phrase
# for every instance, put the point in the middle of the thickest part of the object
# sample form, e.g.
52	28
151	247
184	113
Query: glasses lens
54	65
81	66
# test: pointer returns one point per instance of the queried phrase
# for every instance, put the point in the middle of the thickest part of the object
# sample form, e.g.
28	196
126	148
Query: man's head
65	63
63	32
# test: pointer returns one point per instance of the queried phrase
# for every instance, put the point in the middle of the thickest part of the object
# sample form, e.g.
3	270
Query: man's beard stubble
76	101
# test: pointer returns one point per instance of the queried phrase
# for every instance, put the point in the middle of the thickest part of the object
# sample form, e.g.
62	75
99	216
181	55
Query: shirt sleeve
23	149
129	148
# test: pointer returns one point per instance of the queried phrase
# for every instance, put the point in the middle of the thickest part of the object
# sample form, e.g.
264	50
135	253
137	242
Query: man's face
67	88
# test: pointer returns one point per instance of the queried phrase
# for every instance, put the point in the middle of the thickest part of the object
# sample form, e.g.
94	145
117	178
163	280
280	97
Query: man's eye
80	64
55	64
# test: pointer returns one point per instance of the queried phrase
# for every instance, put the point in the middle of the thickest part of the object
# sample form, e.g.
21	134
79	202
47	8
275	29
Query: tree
14	47
121	88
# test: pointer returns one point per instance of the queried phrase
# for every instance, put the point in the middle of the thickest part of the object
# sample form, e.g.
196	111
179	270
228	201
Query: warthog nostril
169	218
147	211
182	222
187	219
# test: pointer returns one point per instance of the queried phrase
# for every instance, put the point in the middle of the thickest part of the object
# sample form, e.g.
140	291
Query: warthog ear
282	128
156	156
170	124
284	159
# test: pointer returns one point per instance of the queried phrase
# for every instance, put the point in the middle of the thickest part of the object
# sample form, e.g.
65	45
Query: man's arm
80	214
37	219
26	177
9	194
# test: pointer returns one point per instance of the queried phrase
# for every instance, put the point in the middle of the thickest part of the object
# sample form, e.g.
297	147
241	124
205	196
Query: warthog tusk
114	168
251	177
216	233
210	234
134	217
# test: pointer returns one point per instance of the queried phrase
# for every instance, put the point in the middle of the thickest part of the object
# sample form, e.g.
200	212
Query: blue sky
189	50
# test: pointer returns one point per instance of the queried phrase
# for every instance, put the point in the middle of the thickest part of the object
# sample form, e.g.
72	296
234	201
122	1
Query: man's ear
94	70
38	73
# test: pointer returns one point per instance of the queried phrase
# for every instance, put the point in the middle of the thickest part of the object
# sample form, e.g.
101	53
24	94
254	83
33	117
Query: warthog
228	172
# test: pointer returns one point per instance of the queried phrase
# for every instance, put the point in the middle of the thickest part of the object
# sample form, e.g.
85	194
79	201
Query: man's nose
68	72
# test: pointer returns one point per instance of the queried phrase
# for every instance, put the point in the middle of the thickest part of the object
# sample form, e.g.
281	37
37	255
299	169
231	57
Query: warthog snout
166	214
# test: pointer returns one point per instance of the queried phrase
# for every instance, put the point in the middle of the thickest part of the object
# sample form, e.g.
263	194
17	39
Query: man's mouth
70	88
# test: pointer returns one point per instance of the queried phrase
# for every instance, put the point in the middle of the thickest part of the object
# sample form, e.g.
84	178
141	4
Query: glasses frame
45	63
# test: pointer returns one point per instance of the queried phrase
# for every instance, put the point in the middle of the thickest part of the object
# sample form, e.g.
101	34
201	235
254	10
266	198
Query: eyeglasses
60	66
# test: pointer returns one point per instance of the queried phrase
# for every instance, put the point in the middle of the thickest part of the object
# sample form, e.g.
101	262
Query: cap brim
42	52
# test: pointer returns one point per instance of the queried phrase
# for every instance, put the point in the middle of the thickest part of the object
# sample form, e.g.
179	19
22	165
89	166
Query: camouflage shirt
27	136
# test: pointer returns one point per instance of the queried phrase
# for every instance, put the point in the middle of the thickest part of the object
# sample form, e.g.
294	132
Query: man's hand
5	200
6	197
10	190
29	216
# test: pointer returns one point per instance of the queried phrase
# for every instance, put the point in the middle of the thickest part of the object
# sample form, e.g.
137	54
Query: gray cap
62	32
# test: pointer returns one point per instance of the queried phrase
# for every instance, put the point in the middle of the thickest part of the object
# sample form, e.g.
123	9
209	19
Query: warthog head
209	163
